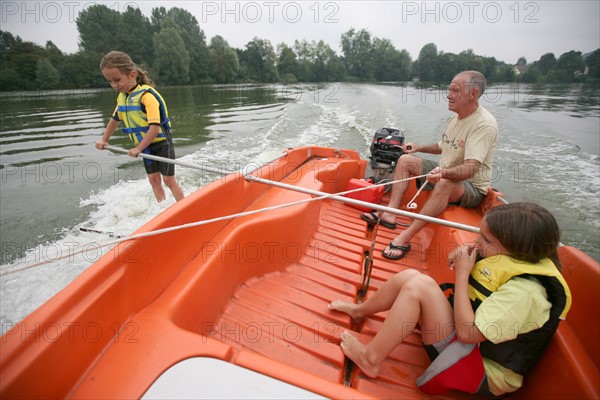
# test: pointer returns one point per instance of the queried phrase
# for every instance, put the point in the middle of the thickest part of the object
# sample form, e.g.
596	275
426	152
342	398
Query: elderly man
463	176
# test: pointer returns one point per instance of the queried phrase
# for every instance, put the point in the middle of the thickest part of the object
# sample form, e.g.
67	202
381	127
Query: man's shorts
470	198
163	149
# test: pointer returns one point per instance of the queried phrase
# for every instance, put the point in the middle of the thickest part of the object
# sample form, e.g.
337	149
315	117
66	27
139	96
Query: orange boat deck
284	316
253	291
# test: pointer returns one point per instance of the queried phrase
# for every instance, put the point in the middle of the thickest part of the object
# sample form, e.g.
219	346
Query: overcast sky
505	30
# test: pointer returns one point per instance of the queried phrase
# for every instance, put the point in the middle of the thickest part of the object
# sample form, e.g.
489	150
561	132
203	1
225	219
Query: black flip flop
403	249
373	221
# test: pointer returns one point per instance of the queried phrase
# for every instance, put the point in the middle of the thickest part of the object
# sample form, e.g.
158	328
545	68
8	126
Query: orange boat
238	307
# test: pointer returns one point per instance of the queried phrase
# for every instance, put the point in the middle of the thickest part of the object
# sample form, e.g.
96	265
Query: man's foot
372	218
395	252
349	308
357	352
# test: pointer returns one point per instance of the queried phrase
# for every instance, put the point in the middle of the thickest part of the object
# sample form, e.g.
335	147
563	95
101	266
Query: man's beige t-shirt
472	138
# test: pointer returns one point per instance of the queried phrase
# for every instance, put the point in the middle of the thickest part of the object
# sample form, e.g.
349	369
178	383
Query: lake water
54	181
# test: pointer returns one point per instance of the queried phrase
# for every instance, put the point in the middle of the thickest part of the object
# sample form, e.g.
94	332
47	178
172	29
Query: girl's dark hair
528	231
124	63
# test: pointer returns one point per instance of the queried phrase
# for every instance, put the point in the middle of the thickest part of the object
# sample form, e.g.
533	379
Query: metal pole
377	207
171	161
195	166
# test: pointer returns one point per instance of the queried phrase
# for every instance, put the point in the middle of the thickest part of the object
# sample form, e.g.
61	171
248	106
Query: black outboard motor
385	149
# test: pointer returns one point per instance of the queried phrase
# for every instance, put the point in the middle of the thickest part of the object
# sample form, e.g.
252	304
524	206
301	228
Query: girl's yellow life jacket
131	111
523	352
493	272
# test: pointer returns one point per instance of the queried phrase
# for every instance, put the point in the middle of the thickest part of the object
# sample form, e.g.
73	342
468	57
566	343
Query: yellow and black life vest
131	111
523	352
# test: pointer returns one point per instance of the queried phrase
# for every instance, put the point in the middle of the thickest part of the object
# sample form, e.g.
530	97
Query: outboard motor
385	150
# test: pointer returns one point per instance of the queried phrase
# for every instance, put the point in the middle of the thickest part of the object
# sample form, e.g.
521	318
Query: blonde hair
124	63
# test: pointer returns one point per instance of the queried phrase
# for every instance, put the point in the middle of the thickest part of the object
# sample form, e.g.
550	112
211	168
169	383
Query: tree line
173	48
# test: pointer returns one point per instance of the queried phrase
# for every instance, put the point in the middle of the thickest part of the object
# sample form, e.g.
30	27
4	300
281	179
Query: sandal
375	218
403	249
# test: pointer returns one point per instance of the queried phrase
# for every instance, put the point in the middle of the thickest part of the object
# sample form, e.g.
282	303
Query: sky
506	30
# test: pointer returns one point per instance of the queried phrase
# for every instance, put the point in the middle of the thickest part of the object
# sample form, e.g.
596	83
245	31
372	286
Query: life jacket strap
126	108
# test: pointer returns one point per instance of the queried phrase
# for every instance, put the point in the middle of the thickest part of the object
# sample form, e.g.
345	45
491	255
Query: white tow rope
411	204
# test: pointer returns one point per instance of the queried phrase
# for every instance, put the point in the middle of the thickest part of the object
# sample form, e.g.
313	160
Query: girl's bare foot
357	352
349	308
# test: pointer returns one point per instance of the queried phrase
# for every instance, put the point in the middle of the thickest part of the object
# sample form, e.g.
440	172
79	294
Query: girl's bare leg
382	299
156	183
172	184
420	300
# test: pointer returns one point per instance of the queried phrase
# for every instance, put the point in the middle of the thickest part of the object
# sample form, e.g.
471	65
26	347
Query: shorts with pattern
471	196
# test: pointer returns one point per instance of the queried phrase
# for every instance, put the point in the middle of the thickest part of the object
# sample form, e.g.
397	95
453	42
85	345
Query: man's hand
435	175
409	148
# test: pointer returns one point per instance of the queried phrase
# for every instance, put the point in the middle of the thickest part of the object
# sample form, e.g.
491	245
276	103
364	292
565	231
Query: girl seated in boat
509	296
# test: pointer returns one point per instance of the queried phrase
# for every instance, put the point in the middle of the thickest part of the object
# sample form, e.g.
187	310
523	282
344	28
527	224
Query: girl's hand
463	258
100	144
134	152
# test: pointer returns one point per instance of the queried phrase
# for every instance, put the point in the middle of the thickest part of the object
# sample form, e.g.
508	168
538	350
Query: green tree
427	63
102	29
224	61
22	58
469	61
47	76
172	62
568	66
55	56
179	55
9	77
157	15
193	37
317	62
135	36
99	28
490	64
497	71
7	41
357	49
259	59
305	54
532	75
390	64
80	70
593	63
507	74
546	63
447	66
287	63
327	66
